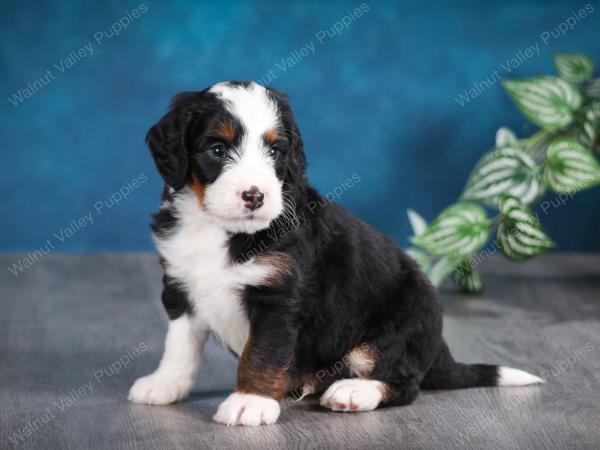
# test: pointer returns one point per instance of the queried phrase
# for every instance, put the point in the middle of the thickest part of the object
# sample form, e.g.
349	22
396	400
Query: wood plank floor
76	331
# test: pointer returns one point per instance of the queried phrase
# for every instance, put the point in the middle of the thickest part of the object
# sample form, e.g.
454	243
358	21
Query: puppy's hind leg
353	395
173	379
379	383
357	394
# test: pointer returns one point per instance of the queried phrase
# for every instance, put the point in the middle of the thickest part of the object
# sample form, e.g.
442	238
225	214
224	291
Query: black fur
348	284
174	298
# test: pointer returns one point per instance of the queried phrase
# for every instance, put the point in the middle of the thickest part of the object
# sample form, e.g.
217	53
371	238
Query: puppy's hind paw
248	409
352	395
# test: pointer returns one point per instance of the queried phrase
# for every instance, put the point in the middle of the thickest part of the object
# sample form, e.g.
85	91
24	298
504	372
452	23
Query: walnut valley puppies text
310	48
74	56
524	54
77	224
66	400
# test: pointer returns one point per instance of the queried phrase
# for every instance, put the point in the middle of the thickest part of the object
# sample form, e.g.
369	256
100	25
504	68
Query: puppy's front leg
263	369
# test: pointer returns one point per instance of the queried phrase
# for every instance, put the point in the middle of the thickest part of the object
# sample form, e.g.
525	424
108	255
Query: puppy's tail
449	374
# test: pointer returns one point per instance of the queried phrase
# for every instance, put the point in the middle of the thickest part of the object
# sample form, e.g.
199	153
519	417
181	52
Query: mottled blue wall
378	99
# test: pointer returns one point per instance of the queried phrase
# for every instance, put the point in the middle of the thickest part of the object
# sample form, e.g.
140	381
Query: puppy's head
237	147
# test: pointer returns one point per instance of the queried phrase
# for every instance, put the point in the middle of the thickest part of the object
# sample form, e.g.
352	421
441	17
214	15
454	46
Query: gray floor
76	331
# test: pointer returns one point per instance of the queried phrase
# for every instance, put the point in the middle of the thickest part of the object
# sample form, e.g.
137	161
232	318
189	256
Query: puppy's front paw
353	395
159	389
248	409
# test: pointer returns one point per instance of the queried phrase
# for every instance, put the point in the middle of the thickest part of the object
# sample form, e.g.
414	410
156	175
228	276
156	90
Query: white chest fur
196	254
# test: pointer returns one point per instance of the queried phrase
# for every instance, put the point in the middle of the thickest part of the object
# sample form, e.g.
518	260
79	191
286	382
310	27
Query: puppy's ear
297	163
297	159
166	140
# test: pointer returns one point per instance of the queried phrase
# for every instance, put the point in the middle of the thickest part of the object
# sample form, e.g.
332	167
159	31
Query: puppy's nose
253	198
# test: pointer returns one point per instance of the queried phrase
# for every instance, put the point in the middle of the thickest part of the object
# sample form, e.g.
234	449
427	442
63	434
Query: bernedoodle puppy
289	281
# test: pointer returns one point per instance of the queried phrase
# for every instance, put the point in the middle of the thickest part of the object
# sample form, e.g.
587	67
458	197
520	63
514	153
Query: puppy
305	294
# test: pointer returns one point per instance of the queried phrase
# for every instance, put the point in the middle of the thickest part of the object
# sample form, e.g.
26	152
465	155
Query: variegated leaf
507	203
547	101
422	258
573	67
593	89
570	167
586	135
506	138
466	278
418	224
458	231
440	270
593	112
519	234
504	171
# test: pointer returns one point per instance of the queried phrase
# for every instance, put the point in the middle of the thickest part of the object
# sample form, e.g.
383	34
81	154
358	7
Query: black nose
253	199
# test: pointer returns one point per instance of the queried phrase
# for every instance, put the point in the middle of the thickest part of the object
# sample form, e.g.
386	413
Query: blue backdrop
379	94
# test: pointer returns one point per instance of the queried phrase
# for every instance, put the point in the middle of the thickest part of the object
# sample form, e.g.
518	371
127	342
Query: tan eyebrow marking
226	131
271	136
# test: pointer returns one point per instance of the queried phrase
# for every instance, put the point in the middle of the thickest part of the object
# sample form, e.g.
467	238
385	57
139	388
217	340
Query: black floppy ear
167	145
297	159
297	163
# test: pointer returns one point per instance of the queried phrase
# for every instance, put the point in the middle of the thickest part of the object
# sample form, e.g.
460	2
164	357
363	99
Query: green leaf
458	231
519	233
570	167
418	224
586	135
593	88
549	102
589	134
422	258
506	138
573	67
507	203
440	270
466	278
507	170
593	113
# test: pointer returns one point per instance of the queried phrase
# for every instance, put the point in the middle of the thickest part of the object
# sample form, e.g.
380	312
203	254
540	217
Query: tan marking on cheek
199	189
271	136
226	131
279	266
257	378
362	359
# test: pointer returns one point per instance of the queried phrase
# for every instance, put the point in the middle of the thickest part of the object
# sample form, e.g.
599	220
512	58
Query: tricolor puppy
308	297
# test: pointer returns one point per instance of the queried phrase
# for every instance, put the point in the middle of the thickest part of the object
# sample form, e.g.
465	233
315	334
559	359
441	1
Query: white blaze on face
251	166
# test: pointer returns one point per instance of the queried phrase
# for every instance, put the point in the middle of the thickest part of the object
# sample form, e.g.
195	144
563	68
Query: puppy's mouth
246	216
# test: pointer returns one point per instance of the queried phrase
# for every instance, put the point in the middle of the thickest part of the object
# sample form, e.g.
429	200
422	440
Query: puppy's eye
217	151
273	152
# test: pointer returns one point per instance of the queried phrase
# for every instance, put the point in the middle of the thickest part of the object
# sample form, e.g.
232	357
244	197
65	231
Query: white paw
159	389
353	395
248	409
